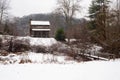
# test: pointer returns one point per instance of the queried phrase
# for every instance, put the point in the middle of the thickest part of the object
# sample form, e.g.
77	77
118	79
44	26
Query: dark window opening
44	34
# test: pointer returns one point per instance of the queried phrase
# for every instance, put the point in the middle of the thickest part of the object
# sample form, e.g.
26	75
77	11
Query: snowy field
94	70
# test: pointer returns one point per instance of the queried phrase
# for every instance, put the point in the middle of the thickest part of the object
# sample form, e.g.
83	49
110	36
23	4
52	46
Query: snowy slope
95	70
39	41
42	41
32	40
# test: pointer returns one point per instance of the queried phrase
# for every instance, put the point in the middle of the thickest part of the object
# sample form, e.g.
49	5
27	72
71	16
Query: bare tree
4	6
68	9
10	28
107	32
118	13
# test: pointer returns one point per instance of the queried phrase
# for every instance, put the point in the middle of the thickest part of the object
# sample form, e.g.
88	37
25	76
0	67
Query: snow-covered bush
21	45
39	49
14	45
54	47
22	61
24	58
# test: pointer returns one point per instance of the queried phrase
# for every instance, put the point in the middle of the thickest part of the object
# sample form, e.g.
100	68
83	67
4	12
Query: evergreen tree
60	35
95	10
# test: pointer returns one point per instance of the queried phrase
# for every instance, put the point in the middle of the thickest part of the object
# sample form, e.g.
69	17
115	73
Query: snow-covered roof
39	22
41	29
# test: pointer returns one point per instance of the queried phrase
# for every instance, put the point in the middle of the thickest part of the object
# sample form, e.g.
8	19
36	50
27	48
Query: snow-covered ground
40	41
94	70
48	58
34	58
32	40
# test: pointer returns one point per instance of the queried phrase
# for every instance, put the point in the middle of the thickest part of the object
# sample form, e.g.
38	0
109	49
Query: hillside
56	21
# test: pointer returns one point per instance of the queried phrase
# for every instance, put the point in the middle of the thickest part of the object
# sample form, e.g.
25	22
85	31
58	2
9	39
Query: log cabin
40	29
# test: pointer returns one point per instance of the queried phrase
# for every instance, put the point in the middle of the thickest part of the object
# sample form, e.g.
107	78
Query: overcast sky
25	7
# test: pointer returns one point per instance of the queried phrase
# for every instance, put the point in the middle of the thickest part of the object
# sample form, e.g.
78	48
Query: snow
42	41
40	22
34	58
95	70
48	58
39	41
33	40
71	40
41	29
93	56
95	48
10	59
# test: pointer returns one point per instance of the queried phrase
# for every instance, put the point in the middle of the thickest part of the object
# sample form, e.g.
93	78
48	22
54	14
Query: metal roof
39	23
40	29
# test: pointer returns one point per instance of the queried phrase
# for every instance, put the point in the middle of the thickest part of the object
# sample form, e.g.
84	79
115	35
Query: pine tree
95	10
60	35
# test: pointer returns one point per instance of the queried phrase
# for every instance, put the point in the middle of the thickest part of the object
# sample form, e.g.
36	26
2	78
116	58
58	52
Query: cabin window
43	34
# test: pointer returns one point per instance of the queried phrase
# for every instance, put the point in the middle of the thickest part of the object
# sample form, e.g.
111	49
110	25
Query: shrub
24	58
39	49
0	43
20	45
5	45
60	35
55	47
3	53
14	45
67	51
22	61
